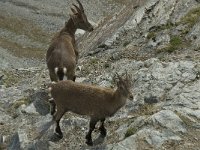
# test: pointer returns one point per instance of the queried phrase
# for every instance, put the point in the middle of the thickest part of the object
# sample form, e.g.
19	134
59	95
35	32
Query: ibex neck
120	98
70	27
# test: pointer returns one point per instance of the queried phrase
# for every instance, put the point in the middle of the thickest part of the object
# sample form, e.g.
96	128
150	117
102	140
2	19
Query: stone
14	143
169	120
40	102
39	144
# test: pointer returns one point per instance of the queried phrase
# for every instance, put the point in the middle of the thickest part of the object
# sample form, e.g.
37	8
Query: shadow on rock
40	102
97	144
39	145
55	138
14	143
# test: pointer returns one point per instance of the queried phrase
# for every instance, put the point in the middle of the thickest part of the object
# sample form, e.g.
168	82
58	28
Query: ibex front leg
88	137
102	128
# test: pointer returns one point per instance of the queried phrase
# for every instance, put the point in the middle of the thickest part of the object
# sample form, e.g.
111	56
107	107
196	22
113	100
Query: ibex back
62	55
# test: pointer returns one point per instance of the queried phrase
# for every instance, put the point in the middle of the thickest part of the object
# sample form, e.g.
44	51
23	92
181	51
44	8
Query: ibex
96	102
62	54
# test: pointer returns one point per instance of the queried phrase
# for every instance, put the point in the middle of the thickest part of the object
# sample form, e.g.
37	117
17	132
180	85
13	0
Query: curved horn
73	10
77	8
80	5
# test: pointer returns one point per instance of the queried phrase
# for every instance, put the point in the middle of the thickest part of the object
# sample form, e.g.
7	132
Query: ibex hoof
103	131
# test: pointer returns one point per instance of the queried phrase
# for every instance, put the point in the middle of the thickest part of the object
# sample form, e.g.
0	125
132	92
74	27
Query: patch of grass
20	102
21	51
10	79
146	109
168	25
175	43
151	35
192	17
126	43
94	61
23	27
130	131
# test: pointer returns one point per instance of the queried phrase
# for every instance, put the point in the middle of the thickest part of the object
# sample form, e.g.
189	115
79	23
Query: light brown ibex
96	102
62	54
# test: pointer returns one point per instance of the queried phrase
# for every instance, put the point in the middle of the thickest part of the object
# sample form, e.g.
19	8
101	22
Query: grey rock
39	145
4	117
127	144
168	119
40	102
156	138
15	142
30	109
152	136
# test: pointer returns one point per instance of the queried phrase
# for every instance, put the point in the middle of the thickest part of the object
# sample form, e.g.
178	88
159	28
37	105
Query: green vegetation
151	35
21	51
126	43
130	131
146	109
26	28
175	43
168	25
10	79
94	61
20	102
23	27
192	17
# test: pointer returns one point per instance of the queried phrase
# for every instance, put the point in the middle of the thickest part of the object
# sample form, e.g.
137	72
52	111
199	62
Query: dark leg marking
58	115
60	74
52	106
89	134
102	128
74	78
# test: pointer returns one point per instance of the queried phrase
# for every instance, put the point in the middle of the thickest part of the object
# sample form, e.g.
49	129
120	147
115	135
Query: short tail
61	72
43	129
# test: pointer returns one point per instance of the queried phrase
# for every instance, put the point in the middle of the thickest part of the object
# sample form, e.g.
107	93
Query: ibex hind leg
57	116
52	106
53	76
71	75
60	74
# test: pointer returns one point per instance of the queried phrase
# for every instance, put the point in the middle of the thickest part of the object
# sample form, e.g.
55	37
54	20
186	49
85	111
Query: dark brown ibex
62	54
96	102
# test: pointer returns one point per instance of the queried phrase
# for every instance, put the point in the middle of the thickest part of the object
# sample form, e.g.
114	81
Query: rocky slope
156	41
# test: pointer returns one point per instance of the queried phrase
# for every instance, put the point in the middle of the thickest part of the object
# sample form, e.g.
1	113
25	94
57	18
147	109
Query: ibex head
124	85
79	18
